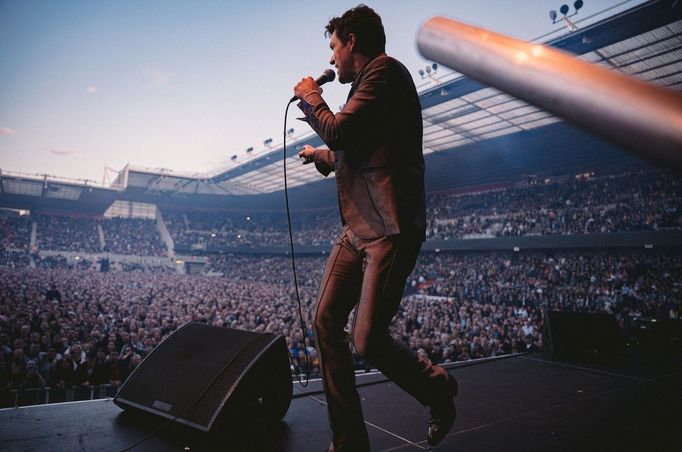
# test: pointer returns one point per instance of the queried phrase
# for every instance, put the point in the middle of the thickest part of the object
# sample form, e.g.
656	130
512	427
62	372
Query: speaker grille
589	337
195	370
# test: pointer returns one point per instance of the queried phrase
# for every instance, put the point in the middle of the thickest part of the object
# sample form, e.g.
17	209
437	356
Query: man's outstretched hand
307	153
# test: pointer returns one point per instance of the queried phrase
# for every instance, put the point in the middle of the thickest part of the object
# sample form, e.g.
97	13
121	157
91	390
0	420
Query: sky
185	85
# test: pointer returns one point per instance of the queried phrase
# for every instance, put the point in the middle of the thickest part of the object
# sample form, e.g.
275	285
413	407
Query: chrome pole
643	118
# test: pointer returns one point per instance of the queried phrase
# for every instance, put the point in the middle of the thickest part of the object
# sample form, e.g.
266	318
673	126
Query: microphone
327	76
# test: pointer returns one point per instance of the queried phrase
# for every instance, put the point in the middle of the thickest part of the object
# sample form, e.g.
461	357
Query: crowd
488	304
15	232
81	234
55	261
132	236
252	228
458	307
119	317
11	258
65	325
640	215
60	233
565	205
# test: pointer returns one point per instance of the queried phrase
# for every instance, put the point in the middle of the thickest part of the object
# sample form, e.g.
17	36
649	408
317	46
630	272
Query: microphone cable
298	300
293	258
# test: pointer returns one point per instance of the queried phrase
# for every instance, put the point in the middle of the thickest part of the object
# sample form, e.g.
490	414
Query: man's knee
367	345
326	325
322	323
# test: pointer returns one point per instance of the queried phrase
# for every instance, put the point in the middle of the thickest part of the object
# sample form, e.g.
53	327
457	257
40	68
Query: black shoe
443	414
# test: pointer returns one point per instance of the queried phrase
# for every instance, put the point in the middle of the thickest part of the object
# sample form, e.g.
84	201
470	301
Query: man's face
342	58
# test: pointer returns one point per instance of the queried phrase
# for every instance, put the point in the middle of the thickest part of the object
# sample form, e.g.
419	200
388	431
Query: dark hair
365	24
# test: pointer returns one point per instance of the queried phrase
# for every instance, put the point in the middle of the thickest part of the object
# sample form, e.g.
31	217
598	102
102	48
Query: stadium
528	217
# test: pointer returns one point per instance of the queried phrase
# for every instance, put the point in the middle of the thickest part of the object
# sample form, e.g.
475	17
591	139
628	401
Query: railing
52	178
41	396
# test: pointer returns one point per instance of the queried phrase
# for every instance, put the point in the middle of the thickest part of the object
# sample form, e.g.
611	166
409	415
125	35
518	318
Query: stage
521	402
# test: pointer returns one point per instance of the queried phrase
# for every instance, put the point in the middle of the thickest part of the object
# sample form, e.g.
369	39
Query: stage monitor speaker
669	333
206	374
585	337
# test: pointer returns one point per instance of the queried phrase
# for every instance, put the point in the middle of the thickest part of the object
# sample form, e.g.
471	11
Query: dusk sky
184	85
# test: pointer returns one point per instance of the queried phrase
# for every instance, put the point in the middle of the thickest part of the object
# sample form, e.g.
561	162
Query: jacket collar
364	69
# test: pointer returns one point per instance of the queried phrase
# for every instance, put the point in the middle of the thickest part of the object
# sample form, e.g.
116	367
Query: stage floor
524	402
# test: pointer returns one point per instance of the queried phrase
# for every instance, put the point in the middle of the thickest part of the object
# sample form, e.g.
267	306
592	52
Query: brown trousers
370	274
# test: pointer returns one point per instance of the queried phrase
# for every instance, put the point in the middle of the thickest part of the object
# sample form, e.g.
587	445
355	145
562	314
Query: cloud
156	77
64	152
91	89
6	131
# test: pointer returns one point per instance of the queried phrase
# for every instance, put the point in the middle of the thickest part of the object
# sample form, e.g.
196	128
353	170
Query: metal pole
643	118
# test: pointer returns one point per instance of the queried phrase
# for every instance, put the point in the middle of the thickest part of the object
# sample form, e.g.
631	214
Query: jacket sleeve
346	129
325	161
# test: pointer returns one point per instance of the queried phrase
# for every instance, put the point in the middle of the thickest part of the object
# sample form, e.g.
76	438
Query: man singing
375	149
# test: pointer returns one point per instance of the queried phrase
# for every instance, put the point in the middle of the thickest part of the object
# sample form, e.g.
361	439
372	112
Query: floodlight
564	9
552	15
577	5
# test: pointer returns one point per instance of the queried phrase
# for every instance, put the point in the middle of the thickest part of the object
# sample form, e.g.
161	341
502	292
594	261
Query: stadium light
564	9
428	71
249	150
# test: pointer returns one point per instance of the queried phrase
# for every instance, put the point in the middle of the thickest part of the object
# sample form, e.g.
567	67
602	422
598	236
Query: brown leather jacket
375	145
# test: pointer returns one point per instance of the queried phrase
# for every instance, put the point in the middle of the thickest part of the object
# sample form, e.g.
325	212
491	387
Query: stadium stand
132	236
564	205
61	233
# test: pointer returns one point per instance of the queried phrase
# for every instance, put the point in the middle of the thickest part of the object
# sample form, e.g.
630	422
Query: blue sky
184	85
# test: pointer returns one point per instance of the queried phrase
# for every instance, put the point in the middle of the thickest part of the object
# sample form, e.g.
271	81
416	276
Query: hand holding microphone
302	89
307	85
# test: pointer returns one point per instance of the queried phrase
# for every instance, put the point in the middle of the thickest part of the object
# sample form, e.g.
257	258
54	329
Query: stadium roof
473	134
644	42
